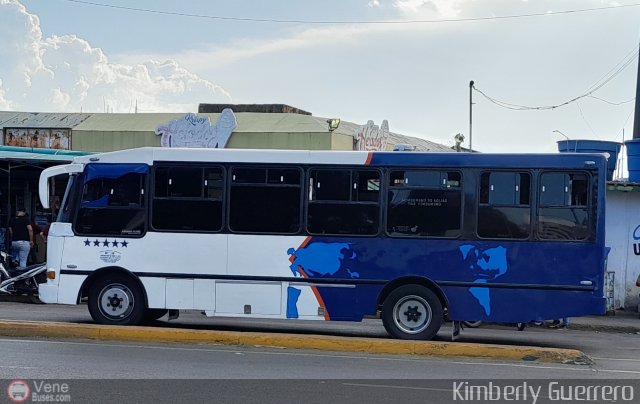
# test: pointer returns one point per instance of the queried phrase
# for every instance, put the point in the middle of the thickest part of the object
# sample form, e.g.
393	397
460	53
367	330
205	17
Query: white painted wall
623	217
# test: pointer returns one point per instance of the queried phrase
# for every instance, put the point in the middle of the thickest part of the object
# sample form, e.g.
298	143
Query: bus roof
149	155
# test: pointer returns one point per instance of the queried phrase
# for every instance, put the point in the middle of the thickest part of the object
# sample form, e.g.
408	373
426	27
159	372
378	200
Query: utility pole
636	118
471	116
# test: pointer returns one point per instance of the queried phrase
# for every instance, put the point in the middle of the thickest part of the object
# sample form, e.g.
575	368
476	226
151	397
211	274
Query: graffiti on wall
635	240
195	131
370	137
41	137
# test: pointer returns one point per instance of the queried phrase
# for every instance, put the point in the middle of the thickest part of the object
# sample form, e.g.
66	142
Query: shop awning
33	155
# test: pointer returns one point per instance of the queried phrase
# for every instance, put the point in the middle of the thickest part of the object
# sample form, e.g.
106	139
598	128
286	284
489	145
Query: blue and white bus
415	238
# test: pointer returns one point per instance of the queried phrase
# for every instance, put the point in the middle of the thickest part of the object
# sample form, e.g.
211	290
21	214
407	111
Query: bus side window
265	200
563	213
344	201
504	205
188	198
424	203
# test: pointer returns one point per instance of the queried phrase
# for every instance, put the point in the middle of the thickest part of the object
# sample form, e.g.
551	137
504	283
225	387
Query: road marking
565	367
17	367
619	371
617	359
385	386
571	369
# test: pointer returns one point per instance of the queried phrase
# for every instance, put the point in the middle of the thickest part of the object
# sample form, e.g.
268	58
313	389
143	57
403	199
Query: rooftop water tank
612	149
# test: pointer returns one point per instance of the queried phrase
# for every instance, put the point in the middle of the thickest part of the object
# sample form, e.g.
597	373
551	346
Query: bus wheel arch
412	280
412	309
108	286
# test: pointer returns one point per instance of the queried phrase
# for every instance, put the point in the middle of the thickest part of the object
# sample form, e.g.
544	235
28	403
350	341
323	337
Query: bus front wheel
412	312
116	299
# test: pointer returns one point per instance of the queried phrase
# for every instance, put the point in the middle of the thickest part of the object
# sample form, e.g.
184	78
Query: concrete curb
314	342
613	328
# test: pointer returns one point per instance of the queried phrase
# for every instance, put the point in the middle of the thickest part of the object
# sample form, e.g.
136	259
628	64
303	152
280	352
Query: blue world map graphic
316	260
485	265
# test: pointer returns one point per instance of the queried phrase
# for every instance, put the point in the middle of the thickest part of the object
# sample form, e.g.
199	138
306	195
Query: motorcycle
15	281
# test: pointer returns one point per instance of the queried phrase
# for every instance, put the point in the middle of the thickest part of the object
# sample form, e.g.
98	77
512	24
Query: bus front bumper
48	293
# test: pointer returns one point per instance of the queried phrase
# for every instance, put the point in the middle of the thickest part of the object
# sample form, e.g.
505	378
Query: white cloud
65	73
429	8
4	104
329	42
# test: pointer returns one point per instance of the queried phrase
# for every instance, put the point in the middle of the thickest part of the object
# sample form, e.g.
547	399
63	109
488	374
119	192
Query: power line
631	52
612	102
284	21
621	66
584	118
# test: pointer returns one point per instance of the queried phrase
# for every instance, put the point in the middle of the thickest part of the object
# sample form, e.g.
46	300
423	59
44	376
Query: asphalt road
100	372
31	358
616	355
108	372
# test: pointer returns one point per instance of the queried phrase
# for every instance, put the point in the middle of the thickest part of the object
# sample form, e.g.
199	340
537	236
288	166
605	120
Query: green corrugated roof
247	122
125	122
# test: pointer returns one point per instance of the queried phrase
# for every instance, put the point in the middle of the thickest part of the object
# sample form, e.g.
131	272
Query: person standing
21	234
32	258
45	230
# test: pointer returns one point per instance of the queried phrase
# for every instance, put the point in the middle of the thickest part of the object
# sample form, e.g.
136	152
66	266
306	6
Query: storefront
20	169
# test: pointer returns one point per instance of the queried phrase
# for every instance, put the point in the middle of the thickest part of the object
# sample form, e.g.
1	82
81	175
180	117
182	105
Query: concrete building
101	132
623	237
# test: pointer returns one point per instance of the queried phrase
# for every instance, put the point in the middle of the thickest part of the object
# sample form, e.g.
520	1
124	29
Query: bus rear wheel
412	312
116	299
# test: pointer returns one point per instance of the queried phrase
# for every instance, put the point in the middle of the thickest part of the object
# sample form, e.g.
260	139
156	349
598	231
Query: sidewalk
618	321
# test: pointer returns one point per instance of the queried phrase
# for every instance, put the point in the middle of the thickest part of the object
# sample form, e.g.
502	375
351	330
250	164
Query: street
615	354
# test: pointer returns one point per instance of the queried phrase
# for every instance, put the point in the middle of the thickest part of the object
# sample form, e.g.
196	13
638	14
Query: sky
407	61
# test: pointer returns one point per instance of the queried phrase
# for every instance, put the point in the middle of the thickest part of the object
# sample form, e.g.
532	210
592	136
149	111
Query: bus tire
412	312
116	299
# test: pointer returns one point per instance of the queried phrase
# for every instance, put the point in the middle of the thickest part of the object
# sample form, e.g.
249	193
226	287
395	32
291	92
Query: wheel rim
116	301
412	314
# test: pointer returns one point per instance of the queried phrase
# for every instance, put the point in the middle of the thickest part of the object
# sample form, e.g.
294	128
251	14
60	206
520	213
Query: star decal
106	243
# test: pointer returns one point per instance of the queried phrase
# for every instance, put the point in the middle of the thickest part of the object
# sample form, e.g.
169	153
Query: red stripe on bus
304	275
